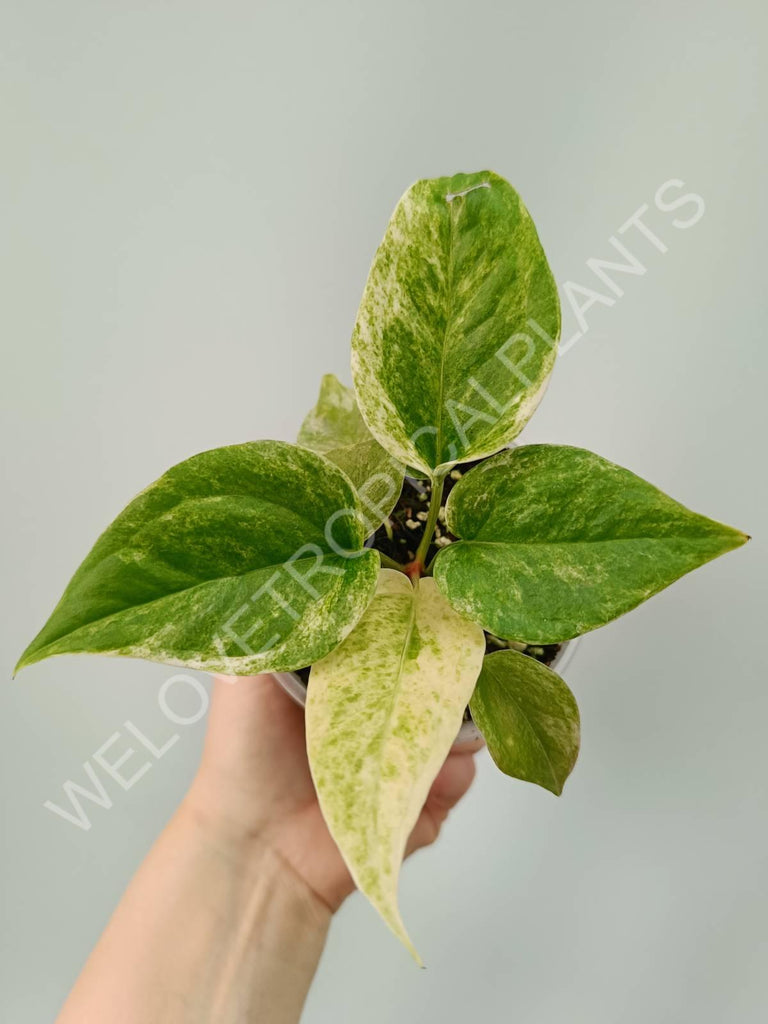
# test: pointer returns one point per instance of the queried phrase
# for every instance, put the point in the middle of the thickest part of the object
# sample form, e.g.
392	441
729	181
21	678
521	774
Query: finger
251	713
245	694
452	782
235	687
468	746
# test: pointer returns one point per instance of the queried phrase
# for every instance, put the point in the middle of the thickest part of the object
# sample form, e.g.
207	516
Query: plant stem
434	512
428	568
390	563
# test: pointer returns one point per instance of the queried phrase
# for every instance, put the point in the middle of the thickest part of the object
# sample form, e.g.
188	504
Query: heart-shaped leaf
529	719
238	560
382	712
455	337
336	429
557	541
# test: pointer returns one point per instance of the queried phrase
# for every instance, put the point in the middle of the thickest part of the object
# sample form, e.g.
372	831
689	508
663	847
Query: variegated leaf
529	719
382	712
557	541
336	429
455	337
238	560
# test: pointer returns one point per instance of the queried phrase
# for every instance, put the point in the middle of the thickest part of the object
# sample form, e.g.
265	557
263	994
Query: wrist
218	815
244	844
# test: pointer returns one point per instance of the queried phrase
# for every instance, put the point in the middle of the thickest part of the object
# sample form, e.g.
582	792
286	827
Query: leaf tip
394	922
412	950
31	654
20	664
737	537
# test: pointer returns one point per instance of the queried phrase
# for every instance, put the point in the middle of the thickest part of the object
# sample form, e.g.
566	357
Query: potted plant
402	554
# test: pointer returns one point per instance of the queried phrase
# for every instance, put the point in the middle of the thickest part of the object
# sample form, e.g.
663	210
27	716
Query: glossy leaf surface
237	560
556	541
455	336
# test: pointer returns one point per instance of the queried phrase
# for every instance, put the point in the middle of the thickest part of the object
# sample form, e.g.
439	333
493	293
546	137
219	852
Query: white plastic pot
468	735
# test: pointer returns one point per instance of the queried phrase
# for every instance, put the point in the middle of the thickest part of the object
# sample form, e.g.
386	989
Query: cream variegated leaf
335	429
455	336
382	712
238	560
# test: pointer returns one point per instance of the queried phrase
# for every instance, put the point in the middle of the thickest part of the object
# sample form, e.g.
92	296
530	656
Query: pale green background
190	195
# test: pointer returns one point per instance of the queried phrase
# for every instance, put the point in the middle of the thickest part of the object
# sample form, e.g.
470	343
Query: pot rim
468	734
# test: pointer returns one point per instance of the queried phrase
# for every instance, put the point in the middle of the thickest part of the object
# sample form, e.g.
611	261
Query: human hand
254	781
227	916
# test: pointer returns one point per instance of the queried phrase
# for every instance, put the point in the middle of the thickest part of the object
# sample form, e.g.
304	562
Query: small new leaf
238	560
529	719
382	712
557	541
335	429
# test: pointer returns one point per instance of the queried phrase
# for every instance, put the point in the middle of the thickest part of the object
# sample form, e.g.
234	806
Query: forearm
213	927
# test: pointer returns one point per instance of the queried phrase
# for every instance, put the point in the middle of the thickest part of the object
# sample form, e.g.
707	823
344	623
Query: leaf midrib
658	539
446	332
396	693
510	694
155	600
195	499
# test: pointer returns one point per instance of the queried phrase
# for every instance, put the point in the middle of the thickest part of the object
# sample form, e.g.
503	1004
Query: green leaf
336	429
455	337
557	541
529	719
382	712
238	560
